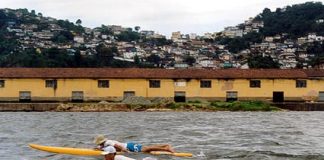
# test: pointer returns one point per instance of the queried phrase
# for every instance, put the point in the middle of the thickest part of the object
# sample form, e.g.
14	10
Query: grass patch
244	106
212	106
174	105
186	106
195	101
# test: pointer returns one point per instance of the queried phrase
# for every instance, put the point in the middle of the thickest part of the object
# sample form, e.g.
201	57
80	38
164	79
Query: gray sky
163	16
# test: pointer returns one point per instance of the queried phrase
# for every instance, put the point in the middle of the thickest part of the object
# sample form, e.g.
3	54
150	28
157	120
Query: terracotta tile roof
314	73
98	73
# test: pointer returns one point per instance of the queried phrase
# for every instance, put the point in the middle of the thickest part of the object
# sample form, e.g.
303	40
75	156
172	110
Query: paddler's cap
100	139
109	150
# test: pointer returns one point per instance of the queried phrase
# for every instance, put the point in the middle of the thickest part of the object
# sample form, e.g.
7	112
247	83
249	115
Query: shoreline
164	107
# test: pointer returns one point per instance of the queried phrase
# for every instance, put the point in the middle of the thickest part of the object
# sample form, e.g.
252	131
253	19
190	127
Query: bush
173	106
195	101
244	106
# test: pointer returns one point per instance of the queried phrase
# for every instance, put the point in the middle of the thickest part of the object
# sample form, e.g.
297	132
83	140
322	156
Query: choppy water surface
220	135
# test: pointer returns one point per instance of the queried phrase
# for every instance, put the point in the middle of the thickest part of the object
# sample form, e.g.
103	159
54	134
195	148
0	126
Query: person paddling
103	142
110	154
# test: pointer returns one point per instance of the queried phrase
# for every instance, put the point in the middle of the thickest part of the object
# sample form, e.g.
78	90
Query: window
231	96
255	84
129	94
205	84
155	84
24	96
301	83
77	96
103	83
50	83
2	83
180	83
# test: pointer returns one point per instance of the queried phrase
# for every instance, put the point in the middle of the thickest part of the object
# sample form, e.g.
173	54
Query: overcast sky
163	16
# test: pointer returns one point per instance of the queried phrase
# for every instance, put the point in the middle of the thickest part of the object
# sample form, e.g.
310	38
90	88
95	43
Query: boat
67	150
93	152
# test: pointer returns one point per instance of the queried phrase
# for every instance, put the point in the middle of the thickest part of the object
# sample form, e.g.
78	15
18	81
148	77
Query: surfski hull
92	152
67	150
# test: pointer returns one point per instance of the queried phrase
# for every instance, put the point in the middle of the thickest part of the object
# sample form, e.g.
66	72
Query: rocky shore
140	104
136	105
91	107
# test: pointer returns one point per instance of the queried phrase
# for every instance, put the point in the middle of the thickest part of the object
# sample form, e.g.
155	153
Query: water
220	135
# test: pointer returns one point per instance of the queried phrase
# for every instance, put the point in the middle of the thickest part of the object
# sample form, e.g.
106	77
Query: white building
233	32
131	55
311	36
78	39
176	36
208	35
192	36
320	21
269	39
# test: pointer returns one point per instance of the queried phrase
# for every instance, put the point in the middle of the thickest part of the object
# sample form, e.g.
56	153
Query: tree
57	58
137	28
70	26
78	59
266	12
24	11
128	36
63	37
259	61
253	37
189	60
7	45
316	48
40	15
237	44
137	60
3	18
296	20
30	58
105	55
157	41
105	30
33	12
78	22
153	58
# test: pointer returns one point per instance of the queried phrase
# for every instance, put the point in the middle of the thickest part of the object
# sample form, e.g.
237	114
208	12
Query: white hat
108	150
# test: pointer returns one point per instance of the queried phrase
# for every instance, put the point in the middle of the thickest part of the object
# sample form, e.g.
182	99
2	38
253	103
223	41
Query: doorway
278	97
180	96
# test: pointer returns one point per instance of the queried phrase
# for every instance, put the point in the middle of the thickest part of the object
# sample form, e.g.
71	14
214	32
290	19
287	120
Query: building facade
96	84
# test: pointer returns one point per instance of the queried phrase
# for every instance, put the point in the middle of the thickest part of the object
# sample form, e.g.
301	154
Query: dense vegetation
258	61
237	44
223	106
244	106
292	21
296	20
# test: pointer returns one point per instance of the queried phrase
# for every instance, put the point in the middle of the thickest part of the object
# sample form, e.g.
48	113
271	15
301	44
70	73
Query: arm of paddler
97	148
